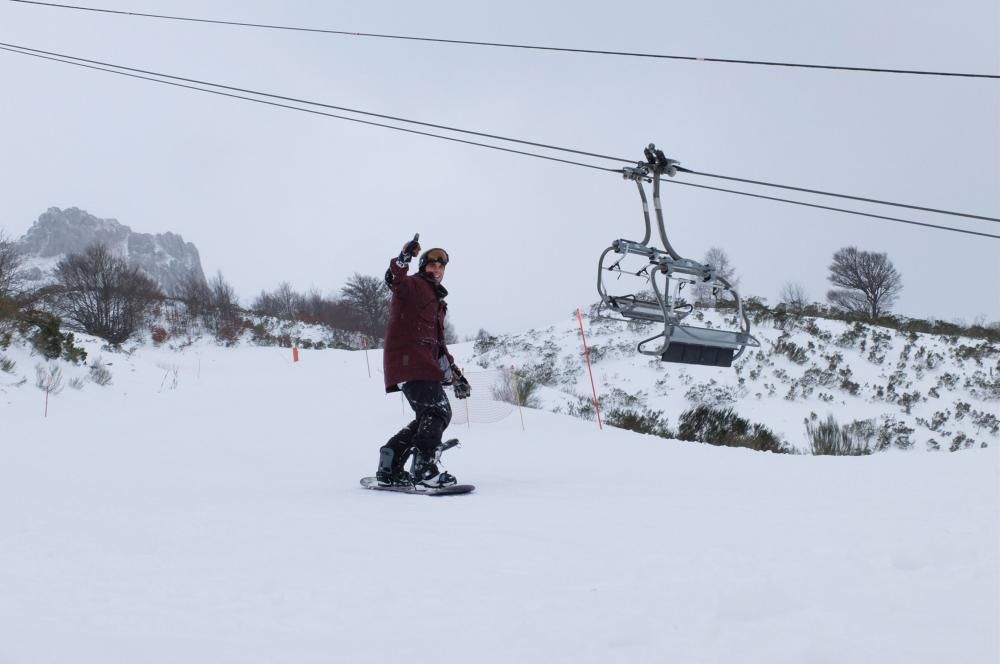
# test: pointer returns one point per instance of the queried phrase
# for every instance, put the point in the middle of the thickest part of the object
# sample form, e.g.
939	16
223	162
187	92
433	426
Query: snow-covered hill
203	506
908	390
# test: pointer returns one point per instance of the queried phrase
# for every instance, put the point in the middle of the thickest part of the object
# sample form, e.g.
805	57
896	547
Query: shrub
645	421
795	353
725	427
583	408
518	388
9	309
43	330
893	433
99	373
712	394
7	365
828	438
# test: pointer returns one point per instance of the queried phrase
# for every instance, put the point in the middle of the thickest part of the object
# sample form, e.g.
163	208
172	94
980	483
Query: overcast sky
269	195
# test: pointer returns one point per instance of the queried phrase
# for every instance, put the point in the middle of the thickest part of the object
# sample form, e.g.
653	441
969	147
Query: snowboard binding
441	483
425	471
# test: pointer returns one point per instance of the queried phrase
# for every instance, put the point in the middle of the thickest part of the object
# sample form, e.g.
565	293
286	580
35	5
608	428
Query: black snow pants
433	414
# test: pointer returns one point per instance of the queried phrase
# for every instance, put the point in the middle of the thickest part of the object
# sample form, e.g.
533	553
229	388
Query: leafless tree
794	296
724	268
868	281
224	302
282	303
11	276
450	333
194	292
98	293
49	379
369	298
334	312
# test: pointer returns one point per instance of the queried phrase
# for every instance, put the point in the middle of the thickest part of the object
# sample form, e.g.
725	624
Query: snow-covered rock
165	257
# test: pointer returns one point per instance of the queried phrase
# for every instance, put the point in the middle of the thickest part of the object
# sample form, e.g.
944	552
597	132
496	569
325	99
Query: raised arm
400	265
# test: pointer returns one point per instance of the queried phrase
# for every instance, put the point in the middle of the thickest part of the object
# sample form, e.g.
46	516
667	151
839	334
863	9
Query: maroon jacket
414	340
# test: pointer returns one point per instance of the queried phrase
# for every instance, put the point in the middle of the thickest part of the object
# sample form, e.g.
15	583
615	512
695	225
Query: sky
270	195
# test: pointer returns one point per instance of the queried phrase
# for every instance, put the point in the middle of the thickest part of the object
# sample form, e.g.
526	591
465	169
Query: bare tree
868	281
282	303
98	293
369	298
194	292
49	379
793	295
450	333
225	305
11	260
724	268
313	307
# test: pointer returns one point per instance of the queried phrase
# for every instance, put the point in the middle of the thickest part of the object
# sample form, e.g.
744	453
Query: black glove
410	250
461	386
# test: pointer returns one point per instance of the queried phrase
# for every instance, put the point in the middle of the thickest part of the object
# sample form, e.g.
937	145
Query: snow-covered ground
204	507
912	391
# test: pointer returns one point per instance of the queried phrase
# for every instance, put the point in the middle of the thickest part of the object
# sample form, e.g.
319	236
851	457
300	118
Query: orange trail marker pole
295	353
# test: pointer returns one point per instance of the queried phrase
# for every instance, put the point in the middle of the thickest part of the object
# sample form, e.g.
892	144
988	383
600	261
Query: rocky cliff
165	257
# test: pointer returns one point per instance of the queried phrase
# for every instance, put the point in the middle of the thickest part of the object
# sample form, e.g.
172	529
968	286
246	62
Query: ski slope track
205	507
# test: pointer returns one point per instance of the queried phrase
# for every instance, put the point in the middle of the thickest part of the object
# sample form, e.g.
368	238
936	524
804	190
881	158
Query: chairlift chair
678	342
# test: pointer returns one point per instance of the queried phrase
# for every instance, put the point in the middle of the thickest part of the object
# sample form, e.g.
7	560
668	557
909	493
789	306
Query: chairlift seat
705	336
629	306
699	345
710	356
685	344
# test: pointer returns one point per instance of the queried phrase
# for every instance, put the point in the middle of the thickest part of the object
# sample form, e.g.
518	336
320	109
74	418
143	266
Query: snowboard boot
426	472
390	469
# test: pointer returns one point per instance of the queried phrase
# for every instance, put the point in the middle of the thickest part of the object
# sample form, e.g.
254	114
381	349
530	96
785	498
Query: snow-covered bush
516	387
828	438
725	427
99	372
646	420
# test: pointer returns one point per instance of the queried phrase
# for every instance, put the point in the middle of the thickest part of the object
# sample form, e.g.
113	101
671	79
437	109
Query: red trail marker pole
586	353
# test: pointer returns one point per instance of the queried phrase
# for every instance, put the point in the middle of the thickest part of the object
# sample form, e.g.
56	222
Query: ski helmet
435	255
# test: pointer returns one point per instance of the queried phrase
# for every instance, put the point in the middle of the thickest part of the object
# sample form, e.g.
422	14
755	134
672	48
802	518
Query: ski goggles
439	256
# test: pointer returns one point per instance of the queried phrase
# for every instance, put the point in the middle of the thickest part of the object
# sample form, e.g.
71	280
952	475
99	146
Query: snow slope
205	507
919	391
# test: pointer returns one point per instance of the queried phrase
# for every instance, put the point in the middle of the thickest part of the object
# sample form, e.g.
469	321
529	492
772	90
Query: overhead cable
469	42
827	193
316	103
479	134
80	62
15	49
834	209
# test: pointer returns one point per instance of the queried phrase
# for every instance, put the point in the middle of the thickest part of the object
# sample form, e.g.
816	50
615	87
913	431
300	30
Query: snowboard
454	490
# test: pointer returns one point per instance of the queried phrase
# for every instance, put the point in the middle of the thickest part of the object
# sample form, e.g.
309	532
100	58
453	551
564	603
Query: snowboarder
417	361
